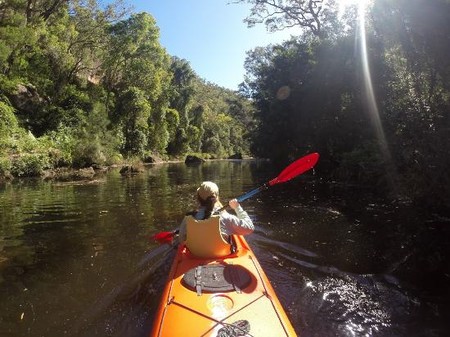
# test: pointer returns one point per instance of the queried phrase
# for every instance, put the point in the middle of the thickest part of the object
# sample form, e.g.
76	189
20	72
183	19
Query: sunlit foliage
83	84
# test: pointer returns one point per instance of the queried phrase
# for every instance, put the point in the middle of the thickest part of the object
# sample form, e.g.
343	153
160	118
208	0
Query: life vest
204	239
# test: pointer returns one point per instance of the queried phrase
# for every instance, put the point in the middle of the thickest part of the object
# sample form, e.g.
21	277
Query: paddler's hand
233	203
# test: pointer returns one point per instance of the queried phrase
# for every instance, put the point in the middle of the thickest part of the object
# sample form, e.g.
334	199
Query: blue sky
209	34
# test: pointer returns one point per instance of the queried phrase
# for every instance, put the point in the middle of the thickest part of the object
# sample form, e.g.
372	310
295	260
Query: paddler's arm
241	223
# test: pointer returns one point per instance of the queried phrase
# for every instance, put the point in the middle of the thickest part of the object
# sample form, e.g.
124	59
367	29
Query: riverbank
94	171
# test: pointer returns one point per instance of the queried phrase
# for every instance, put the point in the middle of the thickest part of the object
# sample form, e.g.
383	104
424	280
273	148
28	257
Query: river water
76	259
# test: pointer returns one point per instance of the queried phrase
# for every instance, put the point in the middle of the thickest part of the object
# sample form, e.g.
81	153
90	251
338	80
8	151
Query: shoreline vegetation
82	85
127	168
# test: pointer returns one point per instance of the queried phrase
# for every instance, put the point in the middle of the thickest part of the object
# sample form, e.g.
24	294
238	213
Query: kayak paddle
291	171
165	237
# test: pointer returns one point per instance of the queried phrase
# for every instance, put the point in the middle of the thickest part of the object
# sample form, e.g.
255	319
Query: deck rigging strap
238	326
198	280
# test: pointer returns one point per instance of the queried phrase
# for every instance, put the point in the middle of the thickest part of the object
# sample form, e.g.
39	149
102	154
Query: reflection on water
76	259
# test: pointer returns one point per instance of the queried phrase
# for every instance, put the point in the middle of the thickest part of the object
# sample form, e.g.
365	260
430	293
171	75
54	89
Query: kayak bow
221	297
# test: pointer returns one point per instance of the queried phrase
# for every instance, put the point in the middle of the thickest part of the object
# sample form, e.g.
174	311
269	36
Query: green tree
181	95
135	112
197	121
136	59
181	88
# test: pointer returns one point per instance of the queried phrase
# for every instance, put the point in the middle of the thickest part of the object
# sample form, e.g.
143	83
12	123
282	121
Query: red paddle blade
297	167
164	237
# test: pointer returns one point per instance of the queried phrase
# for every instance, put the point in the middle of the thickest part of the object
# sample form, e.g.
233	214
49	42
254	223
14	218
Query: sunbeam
344	4
371	101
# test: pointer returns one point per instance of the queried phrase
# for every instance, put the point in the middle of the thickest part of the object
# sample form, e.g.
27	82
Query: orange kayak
222	297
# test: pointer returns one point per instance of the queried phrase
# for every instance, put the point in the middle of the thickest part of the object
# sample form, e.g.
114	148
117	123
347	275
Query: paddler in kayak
207	230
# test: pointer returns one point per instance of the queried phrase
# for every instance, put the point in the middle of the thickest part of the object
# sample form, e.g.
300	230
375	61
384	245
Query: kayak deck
242	304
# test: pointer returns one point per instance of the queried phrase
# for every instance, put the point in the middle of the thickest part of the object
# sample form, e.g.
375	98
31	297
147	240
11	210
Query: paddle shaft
247	195
294	169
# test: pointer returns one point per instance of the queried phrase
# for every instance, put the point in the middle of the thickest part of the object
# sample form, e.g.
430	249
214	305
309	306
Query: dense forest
83	85
367	88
